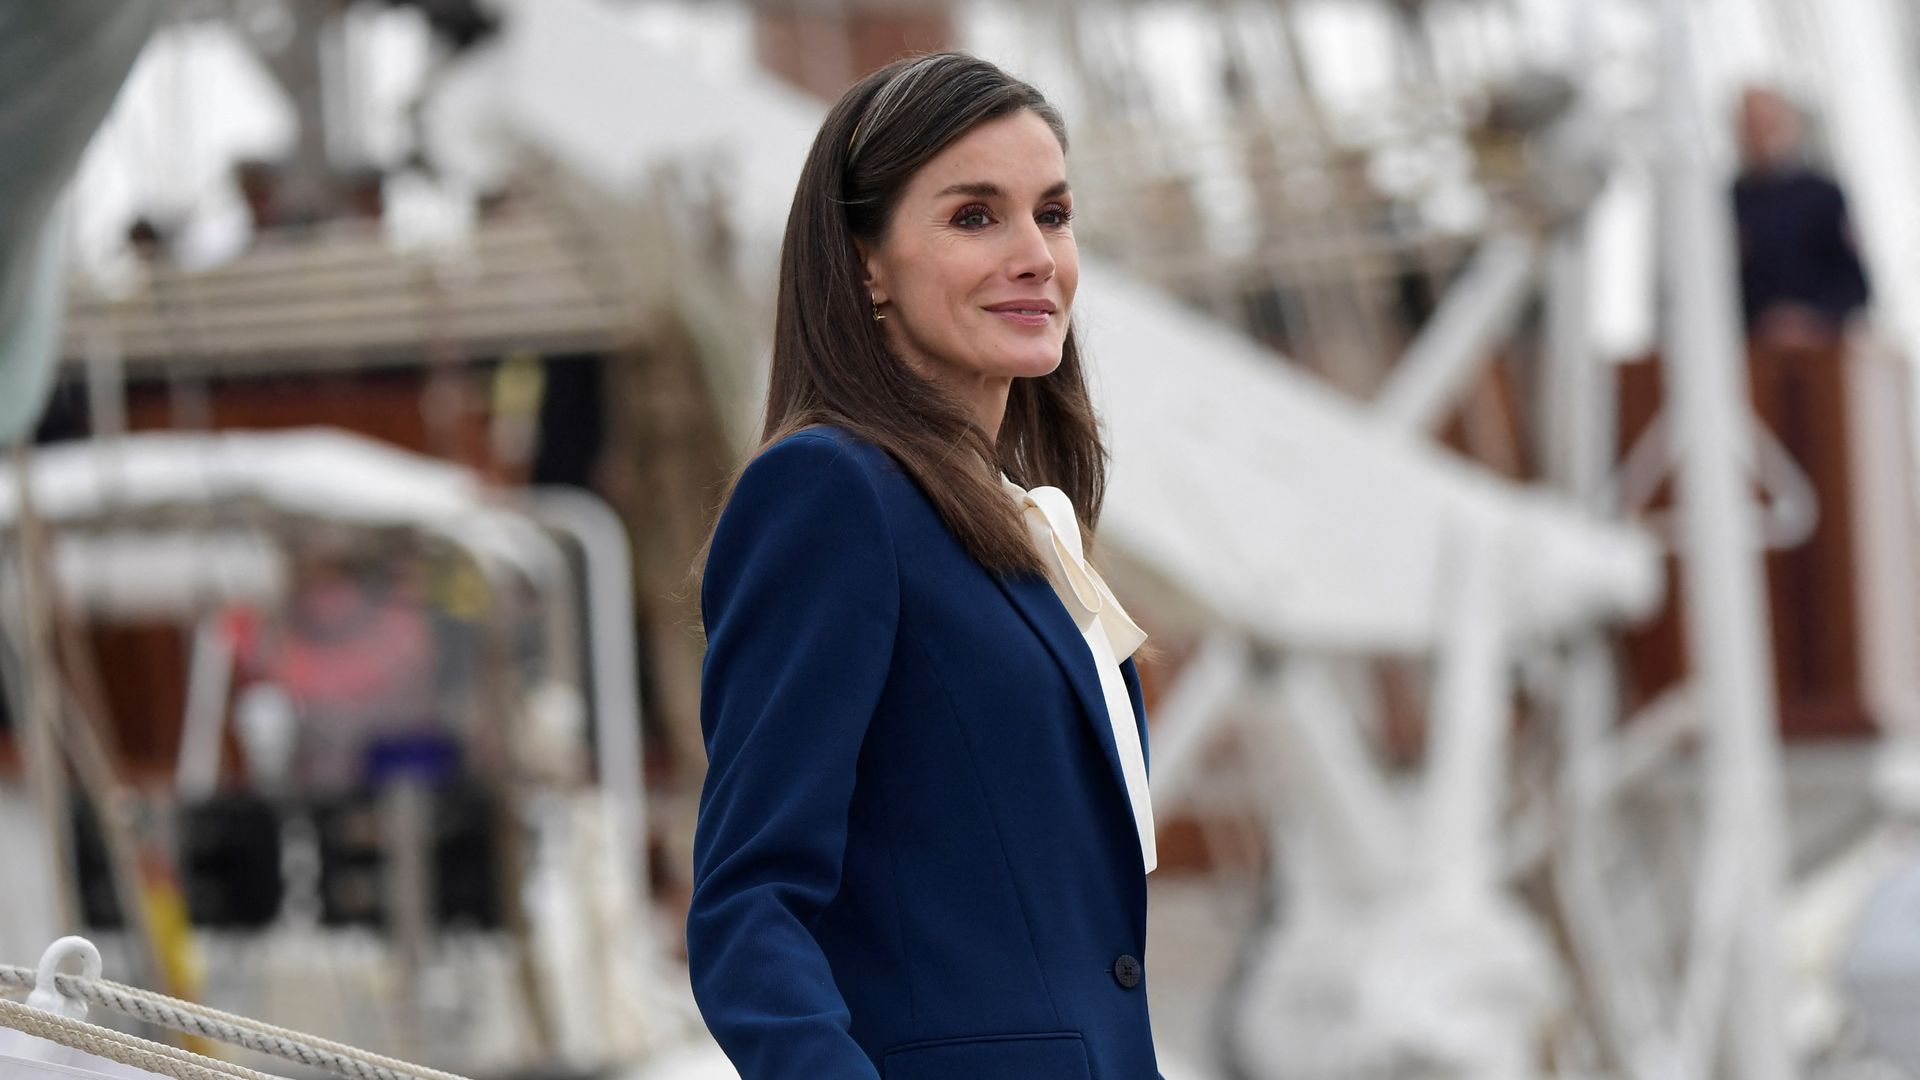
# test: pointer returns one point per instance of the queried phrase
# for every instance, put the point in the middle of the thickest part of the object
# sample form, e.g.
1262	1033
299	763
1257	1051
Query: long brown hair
831	364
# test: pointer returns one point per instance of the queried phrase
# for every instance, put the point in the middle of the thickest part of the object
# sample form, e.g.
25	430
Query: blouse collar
1055	529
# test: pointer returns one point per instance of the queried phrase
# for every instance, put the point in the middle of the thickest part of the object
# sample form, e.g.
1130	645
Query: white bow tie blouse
1110	634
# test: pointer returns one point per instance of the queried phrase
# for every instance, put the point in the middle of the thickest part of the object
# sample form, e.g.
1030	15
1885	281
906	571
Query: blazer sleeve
801	601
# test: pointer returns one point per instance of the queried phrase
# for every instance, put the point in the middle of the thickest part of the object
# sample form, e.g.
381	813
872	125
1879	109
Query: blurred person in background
924	833
1803	288
1800	272
356	653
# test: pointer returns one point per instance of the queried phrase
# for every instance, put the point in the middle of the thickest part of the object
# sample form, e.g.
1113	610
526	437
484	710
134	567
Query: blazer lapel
1035	599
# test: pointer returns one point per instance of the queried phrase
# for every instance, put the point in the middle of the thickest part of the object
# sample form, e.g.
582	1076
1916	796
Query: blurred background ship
1511	414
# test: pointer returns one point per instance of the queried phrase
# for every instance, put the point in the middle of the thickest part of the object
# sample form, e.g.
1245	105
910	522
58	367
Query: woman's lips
1023	318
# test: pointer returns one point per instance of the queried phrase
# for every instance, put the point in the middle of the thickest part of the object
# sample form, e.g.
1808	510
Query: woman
924	832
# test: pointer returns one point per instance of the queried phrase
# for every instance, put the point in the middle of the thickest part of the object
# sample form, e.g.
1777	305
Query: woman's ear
870	272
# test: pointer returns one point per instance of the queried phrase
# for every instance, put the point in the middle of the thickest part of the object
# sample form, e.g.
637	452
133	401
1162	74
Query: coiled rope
191	1018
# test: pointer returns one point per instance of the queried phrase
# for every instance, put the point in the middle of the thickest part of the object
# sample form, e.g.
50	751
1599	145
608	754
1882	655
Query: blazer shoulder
845	438
815	456
810	478
805	507
873	460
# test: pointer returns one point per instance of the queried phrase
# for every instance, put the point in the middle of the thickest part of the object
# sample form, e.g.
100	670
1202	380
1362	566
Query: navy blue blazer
915	858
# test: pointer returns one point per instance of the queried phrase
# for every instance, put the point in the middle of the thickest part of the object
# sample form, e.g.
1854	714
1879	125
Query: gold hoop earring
877	317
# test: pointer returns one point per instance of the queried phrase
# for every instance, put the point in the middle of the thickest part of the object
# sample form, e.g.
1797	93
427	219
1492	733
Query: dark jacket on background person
1796	245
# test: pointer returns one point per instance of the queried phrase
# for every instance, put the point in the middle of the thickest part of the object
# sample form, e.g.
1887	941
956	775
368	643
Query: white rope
130	1050
195	1019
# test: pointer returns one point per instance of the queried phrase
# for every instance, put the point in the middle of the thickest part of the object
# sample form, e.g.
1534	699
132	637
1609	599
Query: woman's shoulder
803	510
821	462
826	446
810	496
825	432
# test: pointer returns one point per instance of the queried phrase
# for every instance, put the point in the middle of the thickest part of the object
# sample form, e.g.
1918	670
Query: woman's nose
1031	257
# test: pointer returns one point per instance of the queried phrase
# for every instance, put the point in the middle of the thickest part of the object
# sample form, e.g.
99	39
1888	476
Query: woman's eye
973	217
1056	215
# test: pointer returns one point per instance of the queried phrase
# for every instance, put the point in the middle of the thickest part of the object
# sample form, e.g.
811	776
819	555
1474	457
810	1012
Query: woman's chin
1030	363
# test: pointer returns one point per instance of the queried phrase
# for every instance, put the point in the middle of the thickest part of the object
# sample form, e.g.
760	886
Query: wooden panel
1800	395
403	407
143	671
825	50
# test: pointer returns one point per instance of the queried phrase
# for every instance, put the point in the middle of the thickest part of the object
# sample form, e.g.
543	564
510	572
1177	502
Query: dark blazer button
1126	972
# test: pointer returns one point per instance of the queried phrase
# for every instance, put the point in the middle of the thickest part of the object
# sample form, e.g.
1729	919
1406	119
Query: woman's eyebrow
987	189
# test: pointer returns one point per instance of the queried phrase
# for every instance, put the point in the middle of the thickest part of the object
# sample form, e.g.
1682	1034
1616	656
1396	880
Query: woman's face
977	270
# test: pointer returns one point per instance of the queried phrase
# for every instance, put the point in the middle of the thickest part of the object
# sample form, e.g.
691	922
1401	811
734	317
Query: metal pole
1733	975
1329	768
46	769
1439	366
615	684
1580	407
1466	775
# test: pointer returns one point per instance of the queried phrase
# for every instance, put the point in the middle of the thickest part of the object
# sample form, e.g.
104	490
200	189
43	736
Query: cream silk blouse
1110	634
